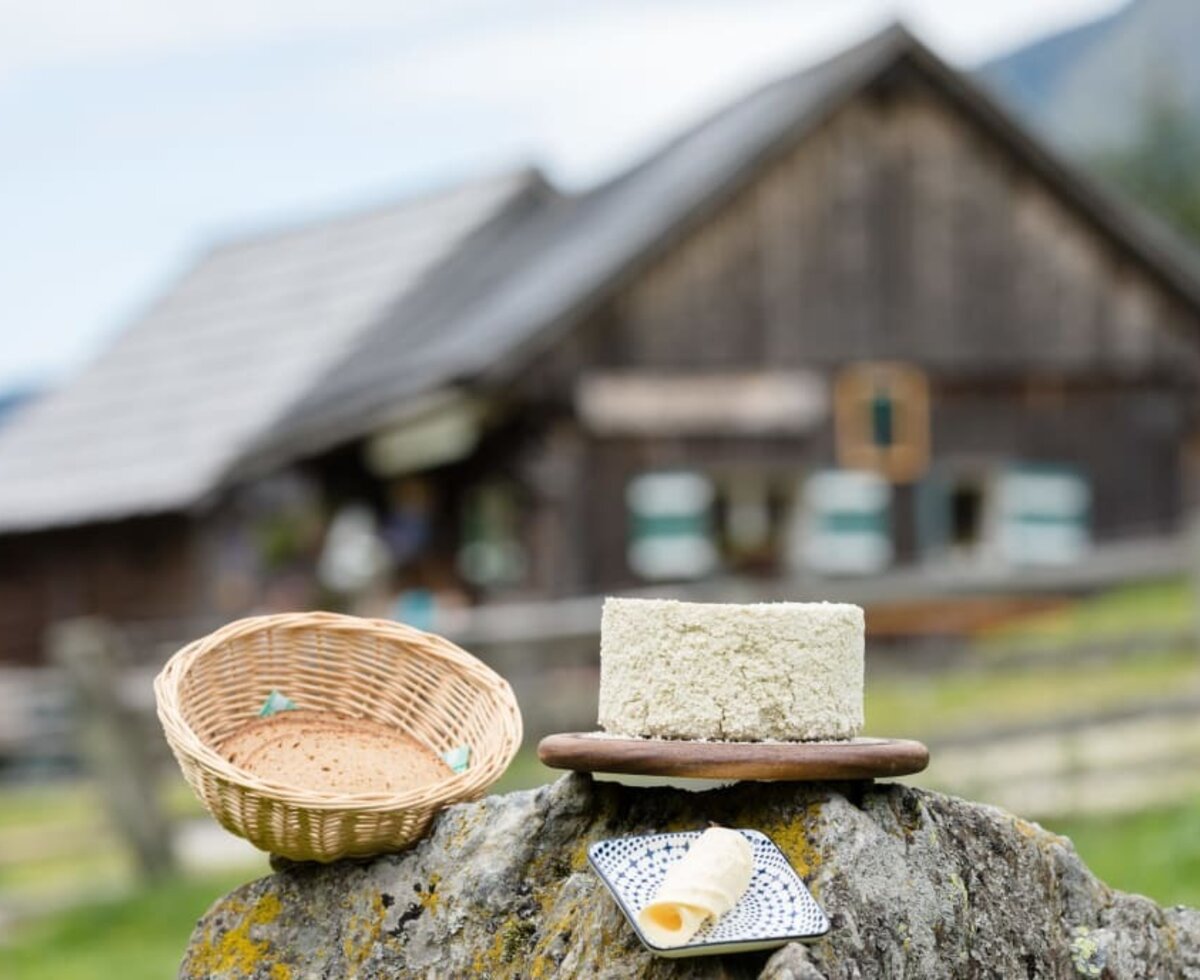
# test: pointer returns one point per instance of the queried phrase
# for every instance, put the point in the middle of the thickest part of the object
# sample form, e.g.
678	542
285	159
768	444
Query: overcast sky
133	134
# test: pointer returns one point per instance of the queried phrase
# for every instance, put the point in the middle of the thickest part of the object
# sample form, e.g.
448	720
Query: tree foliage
1161	168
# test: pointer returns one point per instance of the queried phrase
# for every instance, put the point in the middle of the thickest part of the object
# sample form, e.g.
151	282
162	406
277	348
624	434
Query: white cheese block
705	883
789	671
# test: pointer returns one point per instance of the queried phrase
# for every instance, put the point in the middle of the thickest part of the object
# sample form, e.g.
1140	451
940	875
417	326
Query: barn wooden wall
129	571
1126	438
899	230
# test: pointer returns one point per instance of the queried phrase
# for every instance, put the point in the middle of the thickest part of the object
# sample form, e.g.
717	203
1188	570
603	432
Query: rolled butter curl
705	883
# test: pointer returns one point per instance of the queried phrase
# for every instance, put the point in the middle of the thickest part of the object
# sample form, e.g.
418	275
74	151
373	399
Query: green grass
74	803
1145	608
1154	853
41	803
55	834
525	773
923	706
928	705
105	868
141	937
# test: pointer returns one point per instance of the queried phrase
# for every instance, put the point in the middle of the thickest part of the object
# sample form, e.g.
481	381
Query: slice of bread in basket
329	753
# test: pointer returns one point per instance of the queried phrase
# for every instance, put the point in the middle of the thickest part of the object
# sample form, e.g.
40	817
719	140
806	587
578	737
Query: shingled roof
512	296
282	346
157	421
516	293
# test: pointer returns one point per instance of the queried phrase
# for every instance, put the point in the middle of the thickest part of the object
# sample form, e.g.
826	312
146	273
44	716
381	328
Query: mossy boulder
916	884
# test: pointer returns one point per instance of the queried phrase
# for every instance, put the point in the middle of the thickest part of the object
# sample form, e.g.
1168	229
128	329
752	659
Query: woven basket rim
454	787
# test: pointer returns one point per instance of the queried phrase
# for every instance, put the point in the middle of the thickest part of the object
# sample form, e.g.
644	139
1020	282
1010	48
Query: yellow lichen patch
237	953
793	838
362	933
503	957
555	920
429	901
281	971
457	835
579	856
428	898
546	899
1033	832
1087	955
487	963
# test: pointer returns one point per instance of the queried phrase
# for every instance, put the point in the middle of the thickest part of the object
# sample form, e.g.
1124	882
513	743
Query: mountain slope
1089	88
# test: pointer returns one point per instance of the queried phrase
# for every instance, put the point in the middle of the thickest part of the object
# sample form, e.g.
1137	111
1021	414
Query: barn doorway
967	505
956	512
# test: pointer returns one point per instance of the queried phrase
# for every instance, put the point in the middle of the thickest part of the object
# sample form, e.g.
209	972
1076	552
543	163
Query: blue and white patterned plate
776	908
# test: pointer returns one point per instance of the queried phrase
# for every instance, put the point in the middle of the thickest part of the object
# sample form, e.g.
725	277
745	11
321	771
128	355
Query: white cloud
55	32
131	139
589	88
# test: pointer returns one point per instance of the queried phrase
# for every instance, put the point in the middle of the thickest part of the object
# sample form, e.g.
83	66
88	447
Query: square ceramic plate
776	908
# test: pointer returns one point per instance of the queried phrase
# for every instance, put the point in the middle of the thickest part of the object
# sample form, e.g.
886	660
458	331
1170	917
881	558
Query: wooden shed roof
285	345
156	422
515	295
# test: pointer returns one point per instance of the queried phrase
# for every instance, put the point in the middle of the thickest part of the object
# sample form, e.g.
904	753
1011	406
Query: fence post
112	740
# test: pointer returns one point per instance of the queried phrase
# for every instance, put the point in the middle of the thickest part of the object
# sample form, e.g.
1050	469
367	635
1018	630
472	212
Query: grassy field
984	694
142	933
922	706
54	836
1150	607
140	937
1154	853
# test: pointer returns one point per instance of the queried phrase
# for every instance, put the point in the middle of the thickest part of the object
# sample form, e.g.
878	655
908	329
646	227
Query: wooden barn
858	319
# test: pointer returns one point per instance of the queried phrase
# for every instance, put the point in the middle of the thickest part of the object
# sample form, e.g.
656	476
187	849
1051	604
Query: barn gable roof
553	267
562	259
155	423
282	346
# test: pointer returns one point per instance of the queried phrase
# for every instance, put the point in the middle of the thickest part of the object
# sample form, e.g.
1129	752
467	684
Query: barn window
671	525
844	525
882	420
491	553
1044	515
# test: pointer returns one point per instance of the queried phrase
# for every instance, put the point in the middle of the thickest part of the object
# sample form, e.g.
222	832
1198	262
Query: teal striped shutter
671	525
846	523
1044	515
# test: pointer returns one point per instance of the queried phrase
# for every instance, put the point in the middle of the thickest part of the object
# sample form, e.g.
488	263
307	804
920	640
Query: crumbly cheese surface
772	670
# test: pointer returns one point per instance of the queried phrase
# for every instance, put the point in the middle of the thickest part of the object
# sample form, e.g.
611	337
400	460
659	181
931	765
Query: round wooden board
860	758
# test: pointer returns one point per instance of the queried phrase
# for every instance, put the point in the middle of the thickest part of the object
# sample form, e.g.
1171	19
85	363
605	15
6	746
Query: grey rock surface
916	884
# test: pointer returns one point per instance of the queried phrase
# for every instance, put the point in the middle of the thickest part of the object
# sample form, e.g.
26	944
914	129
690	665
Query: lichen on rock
916	885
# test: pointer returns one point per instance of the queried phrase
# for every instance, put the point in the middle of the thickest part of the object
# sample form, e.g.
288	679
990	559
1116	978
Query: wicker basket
421	684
